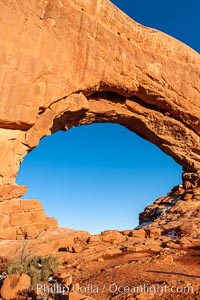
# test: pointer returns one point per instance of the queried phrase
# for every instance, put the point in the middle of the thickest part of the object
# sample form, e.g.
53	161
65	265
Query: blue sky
101	176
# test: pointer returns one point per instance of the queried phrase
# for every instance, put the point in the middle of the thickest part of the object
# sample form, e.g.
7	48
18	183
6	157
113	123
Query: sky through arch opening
97	177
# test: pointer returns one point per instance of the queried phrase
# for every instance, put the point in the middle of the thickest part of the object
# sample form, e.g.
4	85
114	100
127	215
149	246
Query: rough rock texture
175	215
48	242
13	284
73	62
8	192
23	219
119	258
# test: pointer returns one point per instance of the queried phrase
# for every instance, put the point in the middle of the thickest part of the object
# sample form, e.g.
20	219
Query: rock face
73	62
175	215
23	219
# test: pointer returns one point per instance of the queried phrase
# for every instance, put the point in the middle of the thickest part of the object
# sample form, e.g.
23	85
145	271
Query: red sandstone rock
154	232
119	71
63	278
94	239
52	240
8	233
140	233
11	207
102	67
31	205
23	219
78	296
13	284
112	236
8	192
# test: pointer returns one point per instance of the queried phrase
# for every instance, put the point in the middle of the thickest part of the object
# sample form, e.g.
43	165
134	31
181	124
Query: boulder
112	236
13	284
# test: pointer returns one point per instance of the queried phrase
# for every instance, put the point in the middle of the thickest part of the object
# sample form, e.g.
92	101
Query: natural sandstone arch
72	62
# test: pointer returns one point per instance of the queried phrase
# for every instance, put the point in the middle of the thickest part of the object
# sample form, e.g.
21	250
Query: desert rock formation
23	219
117	258
73	62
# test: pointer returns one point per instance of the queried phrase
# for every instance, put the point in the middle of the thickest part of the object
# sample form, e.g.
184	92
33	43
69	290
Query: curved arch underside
71	62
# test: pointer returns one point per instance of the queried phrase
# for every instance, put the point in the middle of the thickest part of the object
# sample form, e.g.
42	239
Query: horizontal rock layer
23	219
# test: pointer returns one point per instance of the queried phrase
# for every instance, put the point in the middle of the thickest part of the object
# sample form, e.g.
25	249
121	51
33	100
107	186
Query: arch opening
150	95
97	177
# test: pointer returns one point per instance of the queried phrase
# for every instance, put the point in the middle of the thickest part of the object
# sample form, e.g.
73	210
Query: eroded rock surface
77	62
73	62
23	219
13	284
118	258
175	215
